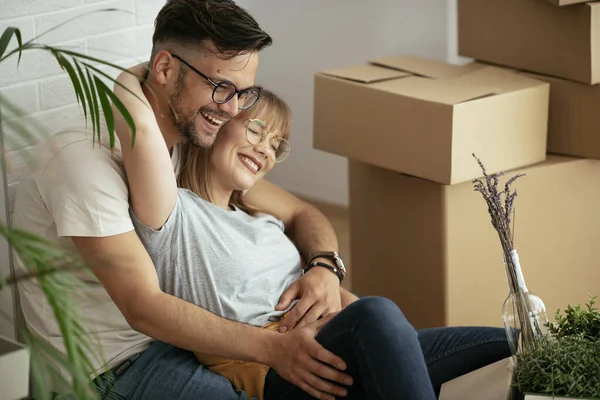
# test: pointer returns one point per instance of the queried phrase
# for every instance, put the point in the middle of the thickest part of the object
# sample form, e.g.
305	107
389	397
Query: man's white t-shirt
77	187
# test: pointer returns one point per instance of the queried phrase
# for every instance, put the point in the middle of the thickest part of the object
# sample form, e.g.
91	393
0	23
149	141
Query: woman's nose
262	147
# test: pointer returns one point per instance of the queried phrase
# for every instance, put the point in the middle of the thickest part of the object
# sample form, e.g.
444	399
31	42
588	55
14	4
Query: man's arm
311	231
306	226
125	269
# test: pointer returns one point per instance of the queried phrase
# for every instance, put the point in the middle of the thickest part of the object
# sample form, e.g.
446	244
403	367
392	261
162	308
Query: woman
235	261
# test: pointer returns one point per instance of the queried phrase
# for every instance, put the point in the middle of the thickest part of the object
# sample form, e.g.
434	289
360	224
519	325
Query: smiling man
203	64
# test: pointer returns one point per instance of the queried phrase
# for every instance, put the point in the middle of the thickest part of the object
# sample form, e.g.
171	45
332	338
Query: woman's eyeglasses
256	132
225	90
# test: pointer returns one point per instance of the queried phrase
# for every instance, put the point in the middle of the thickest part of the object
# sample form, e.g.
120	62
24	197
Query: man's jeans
165	372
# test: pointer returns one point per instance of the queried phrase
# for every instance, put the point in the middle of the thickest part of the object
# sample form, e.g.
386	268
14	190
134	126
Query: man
77	196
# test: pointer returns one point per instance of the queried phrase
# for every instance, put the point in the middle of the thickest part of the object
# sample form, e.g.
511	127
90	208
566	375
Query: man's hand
298	358
347	297
319	293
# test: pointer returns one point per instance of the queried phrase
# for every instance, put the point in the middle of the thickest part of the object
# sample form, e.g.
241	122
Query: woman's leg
381	350
455	351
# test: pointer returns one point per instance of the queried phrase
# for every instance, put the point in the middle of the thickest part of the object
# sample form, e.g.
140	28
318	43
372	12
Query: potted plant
565	362
52	265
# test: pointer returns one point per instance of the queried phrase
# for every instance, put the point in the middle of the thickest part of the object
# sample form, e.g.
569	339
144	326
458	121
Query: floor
338	216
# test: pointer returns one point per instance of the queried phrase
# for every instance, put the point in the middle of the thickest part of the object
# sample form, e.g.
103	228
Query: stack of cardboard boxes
420	235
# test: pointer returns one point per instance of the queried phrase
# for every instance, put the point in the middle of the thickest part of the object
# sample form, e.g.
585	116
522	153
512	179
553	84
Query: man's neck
160	106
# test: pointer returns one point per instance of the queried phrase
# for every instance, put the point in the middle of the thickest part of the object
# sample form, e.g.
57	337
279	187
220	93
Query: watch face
339	262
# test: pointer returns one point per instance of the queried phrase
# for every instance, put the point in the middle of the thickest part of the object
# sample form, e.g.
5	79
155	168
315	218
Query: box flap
445	92
498	80
593	5
365	73
426	67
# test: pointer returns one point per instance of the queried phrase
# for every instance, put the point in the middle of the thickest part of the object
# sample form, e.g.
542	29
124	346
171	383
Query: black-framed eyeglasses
257	132
225	90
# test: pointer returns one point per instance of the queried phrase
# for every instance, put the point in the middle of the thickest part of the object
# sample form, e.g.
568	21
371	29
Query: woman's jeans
381	350
386	357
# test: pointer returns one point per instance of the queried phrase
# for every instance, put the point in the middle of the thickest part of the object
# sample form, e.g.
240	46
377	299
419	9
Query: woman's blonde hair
195	161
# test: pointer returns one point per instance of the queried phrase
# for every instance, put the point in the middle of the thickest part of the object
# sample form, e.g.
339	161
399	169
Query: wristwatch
338	268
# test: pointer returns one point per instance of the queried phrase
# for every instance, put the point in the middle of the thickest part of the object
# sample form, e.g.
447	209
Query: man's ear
164	67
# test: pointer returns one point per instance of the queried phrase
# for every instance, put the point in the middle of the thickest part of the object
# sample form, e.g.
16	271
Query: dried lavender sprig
500	211
501	216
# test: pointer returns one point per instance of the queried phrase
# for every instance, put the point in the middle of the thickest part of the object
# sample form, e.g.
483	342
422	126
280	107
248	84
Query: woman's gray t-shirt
228	262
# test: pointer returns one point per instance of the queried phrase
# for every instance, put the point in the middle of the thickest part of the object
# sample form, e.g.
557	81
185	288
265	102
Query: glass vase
523	313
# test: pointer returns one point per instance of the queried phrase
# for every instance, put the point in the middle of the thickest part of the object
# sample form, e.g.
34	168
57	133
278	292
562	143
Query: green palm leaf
66	65
59	272
51	266
5	40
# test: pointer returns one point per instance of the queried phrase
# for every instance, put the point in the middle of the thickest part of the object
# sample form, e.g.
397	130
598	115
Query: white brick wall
39	86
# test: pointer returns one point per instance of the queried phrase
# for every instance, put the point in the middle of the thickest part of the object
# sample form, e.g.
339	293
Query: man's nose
231	107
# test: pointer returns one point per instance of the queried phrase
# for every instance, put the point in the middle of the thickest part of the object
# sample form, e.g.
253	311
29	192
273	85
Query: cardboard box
14	370
574	117
425	118
492	382
548	397
533	35
567	2
432	249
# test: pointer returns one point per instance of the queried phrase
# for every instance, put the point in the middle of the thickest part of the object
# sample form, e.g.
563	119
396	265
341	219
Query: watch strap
333	256
333	269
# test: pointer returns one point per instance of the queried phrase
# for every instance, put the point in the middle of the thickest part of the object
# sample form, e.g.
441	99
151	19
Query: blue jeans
400	362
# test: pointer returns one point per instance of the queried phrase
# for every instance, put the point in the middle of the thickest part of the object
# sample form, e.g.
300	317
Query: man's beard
185	120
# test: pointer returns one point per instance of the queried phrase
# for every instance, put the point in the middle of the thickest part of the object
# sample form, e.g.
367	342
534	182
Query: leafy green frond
57	271
95	114
66	65
104	74
106	109
85	86
5	40
52	266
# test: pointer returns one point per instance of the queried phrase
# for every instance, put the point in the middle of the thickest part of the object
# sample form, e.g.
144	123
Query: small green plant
565	366
566	361
577	321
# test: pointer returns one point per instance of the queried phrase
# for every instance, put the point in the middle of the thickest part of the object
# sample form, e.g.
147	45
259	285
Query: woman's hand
319	293
298	358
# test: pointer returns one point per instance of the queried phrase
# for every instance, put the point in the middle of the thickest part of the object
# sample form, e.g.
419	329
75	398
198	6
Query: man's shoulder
76	151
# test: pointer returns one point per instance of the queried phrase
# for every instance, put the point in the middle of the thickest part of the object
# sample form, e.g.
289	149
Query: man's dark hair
230	28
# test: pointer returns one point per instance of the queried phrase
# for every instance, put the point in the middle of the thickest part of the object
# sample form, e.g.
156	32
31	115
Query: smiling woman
246	149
